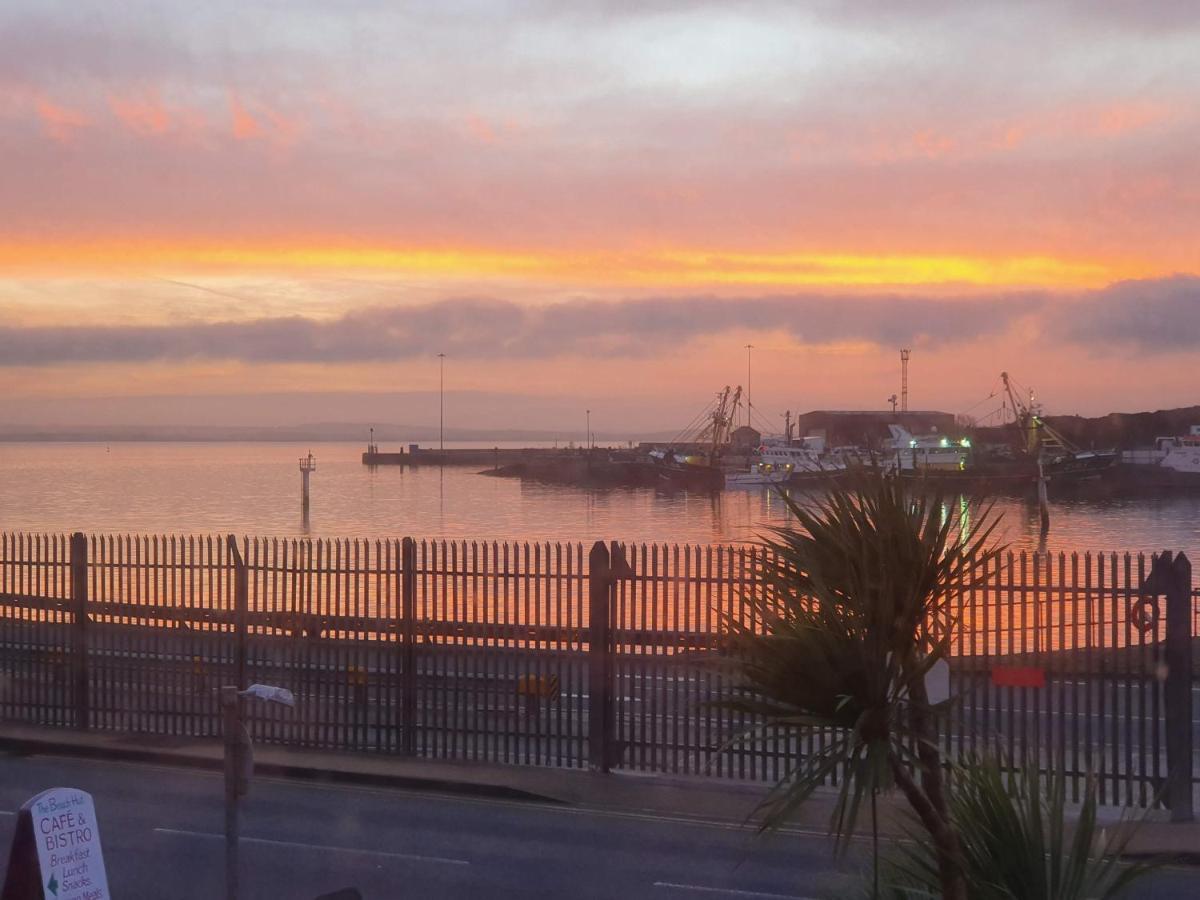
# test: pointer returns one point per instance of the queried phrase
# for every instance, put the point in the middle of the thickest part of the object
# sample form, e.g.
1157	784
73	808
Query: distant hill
1122	431
1126	430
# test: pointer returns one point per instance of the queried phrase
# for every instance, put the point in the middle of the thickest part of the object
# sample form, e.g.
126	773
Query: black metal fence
546	654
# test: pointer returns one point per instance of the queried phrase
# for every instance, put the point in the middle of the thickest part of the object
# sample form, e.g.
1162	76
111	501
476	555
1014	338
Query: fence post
241	602
1178	691
79	630
600	700
408	636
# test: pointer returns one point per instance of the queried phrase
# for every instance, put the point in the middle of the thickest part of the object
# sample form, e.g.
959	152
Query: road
161	830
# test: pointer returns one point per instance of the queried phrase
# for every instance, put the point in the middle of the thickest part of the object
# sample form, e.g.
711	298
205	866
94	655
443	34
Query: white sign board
68	845
937	682
270	693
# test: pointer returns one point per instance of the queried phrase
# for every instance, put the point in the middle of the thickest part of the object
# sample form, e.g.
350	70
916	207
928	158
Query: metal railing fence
548	654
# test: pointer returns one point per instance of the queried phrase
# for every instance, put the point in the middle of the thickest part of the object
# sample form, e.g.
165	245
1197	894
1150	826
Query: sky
205	207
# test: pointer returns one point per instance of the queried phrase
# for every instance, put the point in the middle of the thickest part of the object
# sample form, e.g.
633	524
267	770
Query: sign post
239	766
233	730
56	853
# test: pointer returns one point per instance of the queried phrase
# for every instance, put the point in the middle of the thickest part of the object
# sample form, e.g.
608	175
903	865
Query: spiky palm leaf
1015	842
852	607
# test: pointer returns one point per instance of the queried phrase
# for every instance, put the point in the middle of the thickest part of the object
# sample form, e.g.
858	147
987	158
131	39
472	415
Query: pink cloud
1124	118
144	115
245	126
262	122
59	122
1109	121
481	130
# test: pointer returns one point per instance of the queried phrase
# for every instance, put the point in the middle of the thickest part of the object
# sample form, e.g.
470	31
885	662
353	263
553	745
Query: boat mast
1039	436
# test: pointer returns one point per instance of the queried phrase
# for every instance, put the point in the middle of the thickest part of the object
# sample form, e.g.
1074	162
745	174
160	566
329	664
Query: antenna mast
904	354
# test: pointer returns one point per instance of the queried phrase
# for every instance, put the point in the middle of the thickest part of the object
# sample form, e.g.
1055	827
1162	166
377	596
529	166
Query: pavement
535	796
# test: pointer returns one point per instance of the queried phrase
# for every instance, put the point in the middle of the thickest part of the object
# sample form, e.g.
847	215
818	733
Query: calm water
255	489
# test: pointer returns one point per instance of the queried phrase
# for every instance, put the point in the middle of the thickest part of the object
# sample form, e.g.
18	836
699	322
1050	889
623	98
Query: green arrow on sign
52	885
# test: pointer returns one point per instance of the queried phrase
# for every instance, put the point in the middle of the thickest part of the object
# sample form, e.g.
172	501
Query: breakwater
473	456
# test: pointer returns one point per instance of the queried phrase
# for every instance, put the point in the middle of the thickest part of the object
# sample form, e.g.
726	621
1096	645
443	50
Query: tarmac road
162	832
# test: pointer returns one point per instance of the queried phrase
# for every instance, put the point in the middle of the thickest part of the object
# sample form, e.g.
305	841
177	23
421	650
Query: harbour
254	488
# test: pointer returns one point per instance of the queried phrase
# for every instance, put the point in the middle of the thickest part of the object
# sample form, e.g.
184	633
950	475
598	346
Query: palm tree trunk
941	832
931	795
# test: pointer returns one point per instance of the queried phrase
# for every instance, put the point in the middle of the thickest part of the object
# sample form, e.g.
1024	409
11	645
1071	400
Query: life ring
1144	614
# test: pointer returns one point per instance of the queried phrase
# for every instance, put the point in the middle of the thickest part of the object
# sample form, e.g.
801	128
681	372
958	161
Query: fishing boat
924	453
1173	463
1062	462
761	474
806	459
693	461
1182	458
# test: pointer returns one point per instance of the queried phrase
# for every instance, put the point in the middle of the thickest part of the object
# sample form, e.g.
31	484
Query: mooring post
599	658
79	629
408	637
241	602
1178	689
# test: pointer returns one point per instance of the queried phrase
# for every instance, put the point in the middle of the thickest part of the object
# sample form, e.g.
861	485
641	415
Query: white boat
761	474
1182	454
804	459
927	452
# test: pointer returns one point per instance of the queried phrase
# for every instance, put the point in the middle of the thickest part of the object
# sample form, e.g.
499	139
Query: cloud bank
1143	315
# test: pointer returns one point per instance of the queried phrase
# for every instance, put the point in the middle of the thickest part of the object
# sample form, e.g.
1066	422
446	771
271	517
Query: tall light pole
588	436
441	402
749	347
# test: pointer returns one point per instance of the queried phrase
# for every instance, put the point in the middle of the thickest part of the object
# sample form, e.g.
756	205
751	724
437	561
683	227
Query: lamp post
239	765
441	402
588	435
749	347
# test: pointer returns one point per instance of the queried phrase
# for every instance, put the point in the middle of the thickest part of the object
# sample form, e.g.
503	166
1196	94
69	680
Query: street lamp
441	402
239	765
749	347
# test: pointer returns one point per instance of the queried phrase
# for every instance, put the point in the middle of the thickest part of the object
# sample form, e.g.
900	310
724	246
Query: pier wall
494	457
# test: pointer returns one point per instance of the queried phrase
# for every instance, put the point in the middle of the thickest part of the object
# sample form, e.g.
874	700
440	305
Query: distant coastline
1114	430
320	433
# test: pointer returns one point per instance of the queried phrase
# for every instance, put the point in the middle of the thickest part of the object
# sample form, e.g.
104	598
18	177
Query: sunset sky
205	206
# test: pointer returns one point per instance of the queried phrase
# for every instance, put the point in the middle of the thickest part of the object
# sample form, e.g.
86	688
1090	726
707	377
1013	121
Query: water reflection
251	489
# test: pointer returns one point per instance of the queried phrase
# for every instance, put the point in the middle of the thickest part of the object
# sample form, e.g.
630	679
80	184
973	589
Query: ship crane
1040	438
719	428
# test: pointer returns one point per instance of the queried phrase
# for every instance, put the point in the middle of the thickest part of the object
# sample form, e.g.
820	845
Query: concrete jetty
495	457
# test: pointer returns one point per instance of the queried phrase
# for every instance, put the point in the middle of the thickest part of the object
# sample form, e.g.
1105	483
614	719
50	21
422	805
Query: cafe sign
56	853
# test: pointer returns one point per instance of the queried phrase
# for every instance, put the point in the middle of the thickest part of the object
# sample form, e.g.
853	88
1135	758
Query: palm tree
1016	844
852	608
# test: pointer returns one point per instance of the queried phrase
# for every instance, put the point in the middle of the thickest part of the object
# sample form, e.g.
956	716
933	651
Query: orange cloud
59	122
245	126
665	267
145	115
1109	121
479	129
1124	118
261	124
